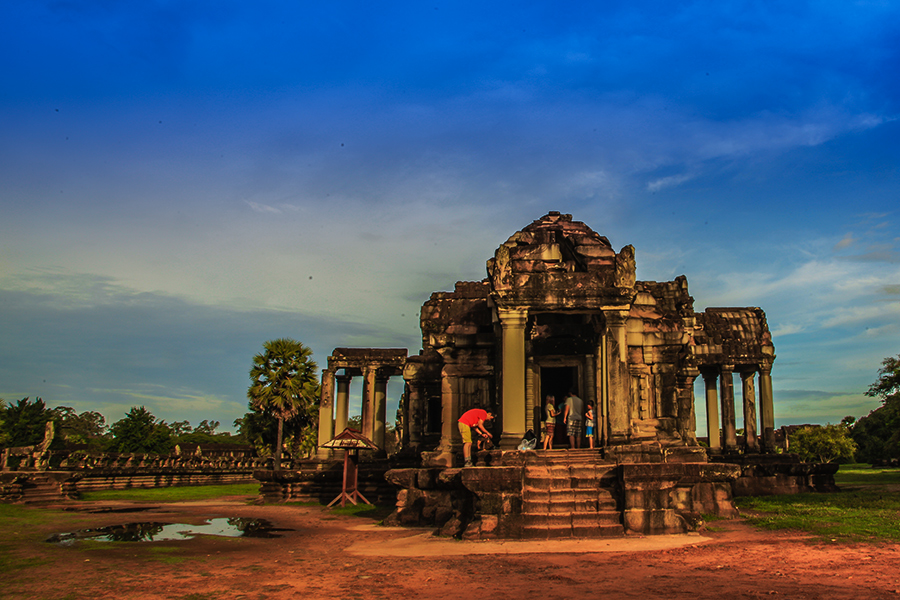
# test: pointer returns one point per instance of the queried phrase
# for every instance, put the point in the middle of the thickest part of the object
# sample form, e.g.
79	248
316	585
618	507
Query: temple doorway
557	381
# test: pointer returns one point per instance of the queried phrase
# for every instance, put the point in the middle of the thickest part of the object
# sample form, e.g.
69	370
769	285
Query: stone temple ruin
561	309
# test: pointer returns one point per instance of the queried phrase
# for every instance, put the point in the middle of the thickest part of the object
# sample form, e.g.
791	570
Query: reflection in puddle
161	532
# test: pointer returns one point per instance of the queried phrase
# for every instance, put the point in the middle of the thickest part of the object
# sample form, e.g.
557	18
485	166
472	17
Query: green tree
139	431
888	383
207	427
88	427
179	428
823	444
878	433
284	384
24	422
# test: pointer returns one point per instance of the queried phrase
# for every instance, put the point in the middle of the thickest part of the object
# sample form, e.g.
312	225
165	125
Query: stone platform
567	493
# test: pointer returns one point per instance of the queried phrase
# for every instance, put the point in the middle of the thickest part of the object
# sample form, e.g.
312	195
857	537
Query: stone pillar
619	380
590	391
450	412
603	392
513	398
343	403
410	400
712	409
530	401
766	407
686	422
380	410
368	402
726	387
326	414
749	393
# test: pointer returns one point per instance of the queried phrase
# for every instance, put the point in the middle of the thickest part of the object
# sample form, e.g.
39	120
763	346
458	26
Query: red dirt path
329	556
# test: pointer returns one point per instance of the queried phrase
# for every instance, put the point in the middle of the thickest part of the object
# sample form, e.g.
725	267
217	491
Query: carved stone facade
560	309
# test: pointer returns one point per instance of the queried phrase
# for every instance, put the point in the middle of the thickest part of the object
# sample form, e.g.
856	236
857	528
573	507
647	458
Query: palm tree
284	382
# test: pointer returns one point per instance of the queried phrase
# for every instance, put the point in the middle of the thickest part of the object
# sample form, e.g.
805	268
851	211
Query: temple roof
558	263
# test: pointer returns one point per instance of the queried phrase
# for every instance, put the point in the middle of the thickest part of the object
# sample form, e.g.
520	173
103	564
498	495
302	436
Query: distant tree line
282	415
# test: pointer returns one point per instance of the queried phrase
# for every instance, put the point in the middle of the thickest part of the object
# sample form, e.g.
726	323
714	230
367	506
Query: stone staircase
570	493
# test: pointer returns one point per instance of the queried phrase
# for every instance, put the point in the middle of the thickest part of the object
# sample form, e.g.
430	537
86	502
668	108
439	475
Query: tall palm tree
284	382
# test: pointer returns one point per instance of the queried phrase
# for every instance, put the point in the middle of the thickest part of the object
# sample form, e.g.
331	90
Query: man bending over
473	419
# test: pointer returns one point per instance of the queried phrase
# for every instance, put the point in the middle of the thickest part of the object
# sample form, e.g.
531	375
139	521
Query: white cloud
263	208
664	182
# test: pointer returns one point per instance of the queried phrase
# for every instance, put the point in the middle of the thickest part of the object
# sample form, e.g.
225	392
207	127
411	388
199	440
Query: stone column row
334	414
727	434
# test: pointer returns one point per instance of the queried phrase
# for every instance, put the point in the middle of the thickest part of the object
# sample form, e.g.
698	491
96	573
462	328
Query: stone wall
34	475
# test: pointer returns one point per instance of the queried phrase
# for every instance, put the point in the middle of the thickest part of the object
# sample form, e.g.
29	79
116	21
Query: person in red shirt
473	419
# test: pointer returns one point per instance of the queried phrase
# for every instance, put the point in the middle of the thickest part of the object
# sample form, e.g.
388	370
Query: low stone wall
768	474
33	474
51	486
672	497
119	480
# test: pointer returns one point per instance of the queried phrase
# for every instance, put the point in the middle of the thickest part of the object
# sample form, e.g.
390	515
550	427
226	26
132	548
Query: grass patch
174	494
20	517
869	512
376	513
864	475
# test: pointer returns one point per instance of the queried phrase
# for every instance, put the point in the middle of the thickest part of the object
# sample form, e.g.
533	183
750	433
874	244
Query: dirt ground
323	555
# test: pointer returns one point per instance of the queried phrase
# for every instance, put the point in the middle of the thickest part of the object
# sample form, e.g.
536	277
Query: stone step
569	470
568	495
557	479
550	525
570	519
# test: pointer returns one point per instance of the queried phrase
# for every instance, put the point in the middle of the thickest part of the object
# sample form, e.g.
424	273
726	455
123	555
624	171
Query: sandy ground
322	555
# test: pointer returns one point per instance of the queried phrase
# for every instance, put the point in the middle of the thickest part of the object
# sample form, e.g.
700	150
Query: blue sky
181	181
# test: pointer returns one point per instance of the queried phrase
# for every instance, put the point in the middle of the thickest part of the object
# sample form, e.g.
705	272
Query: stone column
368	403
590	391
749	393
380	403
619	380
413	421
513	398
530	400
343	403
712	409
766	407
410	400
326	414
726	387
450	412
603	393
686	419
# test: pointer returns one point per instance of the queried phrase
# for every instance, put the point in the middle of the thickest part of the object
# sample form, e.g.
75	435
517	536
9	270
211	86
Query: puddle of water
162	532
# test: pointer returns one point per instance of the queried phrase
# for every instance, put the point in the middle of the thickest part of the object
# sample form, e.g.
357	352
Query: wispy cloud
664	182
847	241
263	208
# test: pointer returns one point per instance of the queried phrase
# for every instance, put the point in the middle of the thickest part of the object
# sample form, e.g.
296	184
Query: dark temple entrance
556	382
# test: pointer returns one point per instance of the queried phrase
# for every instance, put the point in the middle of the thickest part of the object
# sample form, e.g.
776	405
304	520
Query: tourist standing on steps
473	419
589	424
550	422
572	419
